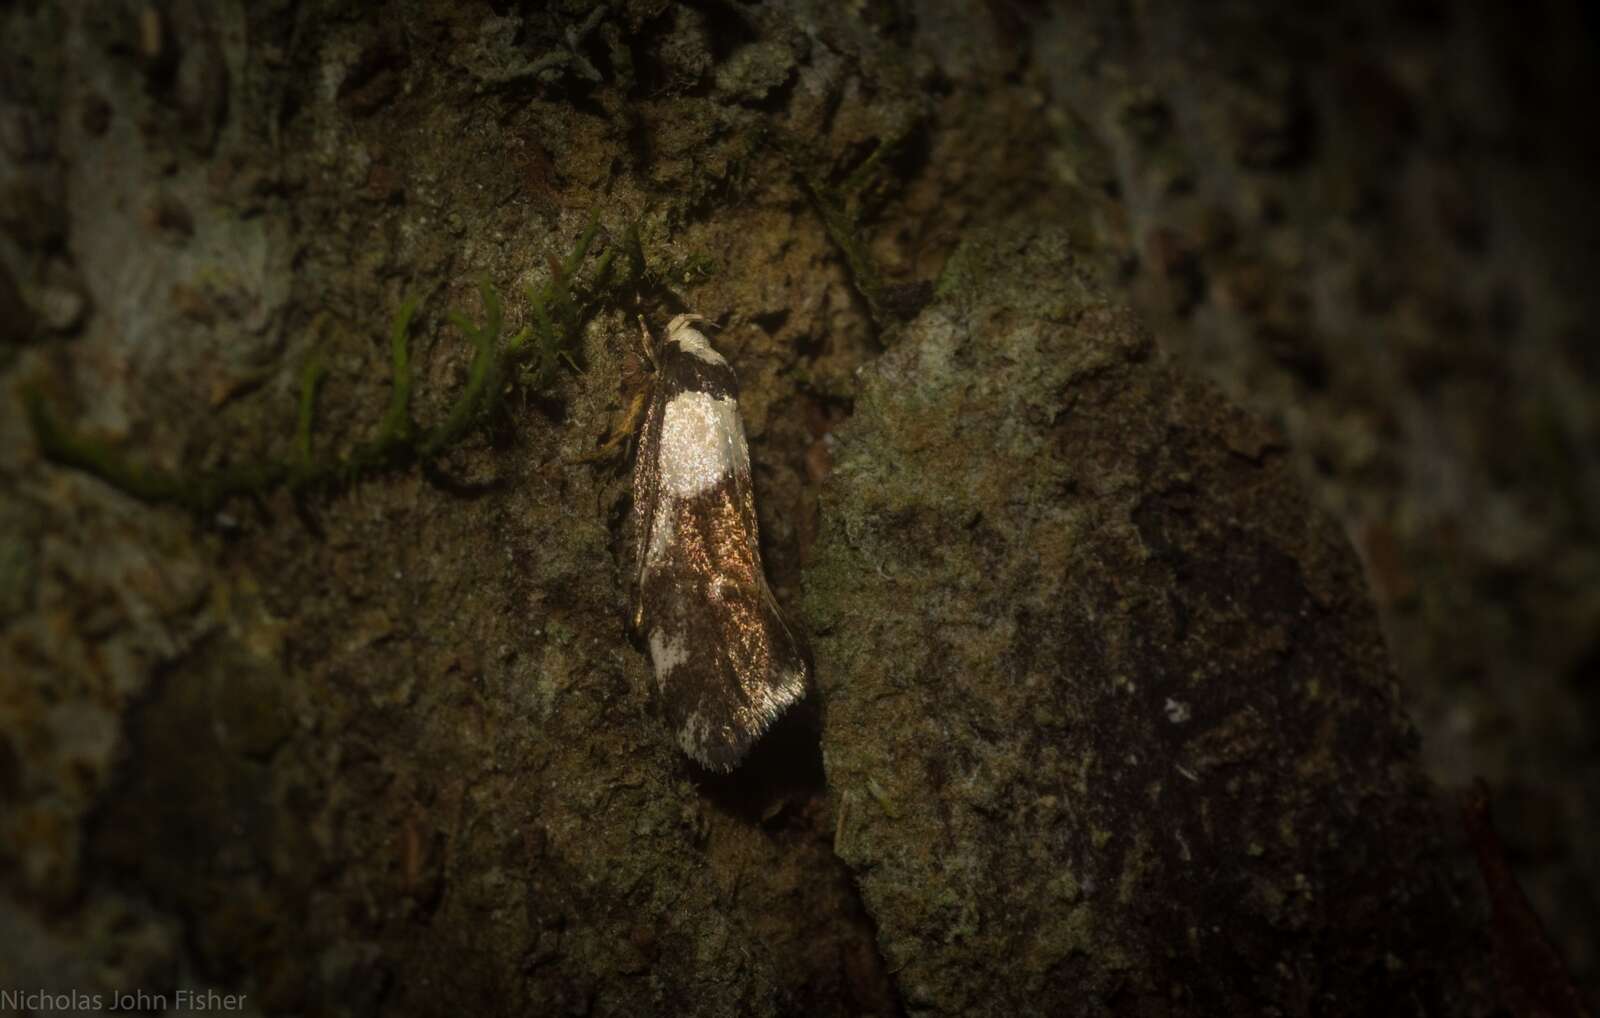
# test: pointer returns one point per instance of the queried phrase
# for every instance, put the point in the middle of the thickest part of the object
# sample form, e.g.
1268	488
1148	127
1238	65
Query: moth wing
788	665
727	662
765	659
646	498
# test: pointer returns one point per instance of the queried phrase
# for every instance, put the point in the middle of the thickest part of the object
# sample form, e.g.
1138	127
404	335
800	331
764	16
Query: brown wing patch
726	662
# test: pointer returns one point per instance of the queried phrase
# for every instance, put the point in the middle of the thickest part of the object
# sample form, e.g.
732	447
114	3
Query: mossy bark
1104	711
1130	726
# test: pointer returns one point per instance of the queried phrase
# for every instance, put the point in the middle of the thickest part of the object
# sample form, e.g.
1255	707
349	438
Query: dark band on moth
687	373
726	662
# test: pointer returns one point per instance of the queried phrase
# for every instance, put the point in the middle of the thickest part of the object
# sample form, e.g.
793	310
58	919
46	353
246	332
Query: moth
726	661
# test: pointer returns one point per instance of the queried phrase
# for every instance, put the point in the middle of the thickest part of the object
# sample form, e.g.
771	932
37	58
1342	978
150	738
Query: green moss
19	555
884	800
691	270
201	491
842	230
529	360
839	208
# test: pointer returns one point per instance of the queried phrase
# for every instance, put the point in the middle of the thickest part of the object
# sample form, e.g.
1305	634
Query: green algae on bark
532	355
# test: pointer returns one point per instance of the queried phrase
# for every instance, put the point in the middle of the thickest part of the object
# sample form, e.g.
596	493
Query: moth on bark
726	661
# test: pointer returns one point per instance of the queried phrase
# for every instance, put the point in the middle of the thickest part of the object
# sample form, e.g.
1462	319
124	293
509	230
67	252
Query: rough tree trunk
1104	719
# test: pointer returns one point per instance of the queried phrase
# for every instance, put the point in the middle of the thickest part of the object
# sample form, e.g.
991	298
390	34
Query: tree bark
1104	721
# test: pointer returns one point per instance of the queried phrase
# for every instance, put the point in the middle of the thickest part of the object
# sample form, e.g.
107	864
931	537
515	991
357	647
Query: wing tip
720	745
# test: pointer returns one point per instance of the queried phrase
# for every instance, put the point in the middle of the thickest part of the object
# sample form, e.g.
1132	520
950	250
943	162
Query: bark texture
1104	709
1134	734
1375	224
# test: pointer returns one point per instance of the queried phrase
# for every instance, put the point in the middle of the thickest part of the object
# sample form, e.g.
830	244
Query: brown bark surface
1105	721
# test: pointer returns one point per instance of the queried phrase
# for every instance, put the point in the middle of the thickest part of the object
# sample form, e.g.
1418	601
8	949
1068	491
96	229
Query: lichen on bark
1130	726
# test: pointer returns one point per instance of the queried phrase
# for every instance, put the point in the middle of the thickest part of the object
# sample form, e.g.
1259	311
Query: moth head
685	321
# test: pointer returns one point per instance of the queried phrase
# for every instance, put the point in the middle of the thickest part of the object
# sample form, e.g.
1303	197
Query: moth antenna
648	344
690	316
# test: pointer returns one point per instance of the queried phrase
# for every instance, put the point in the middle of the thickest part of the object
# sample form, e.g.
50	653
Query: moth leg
648	344
625	431
636	615
637	407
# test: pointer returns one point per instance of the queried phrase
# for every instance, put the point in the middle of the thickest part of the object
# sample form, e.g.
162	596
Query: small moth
726	661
